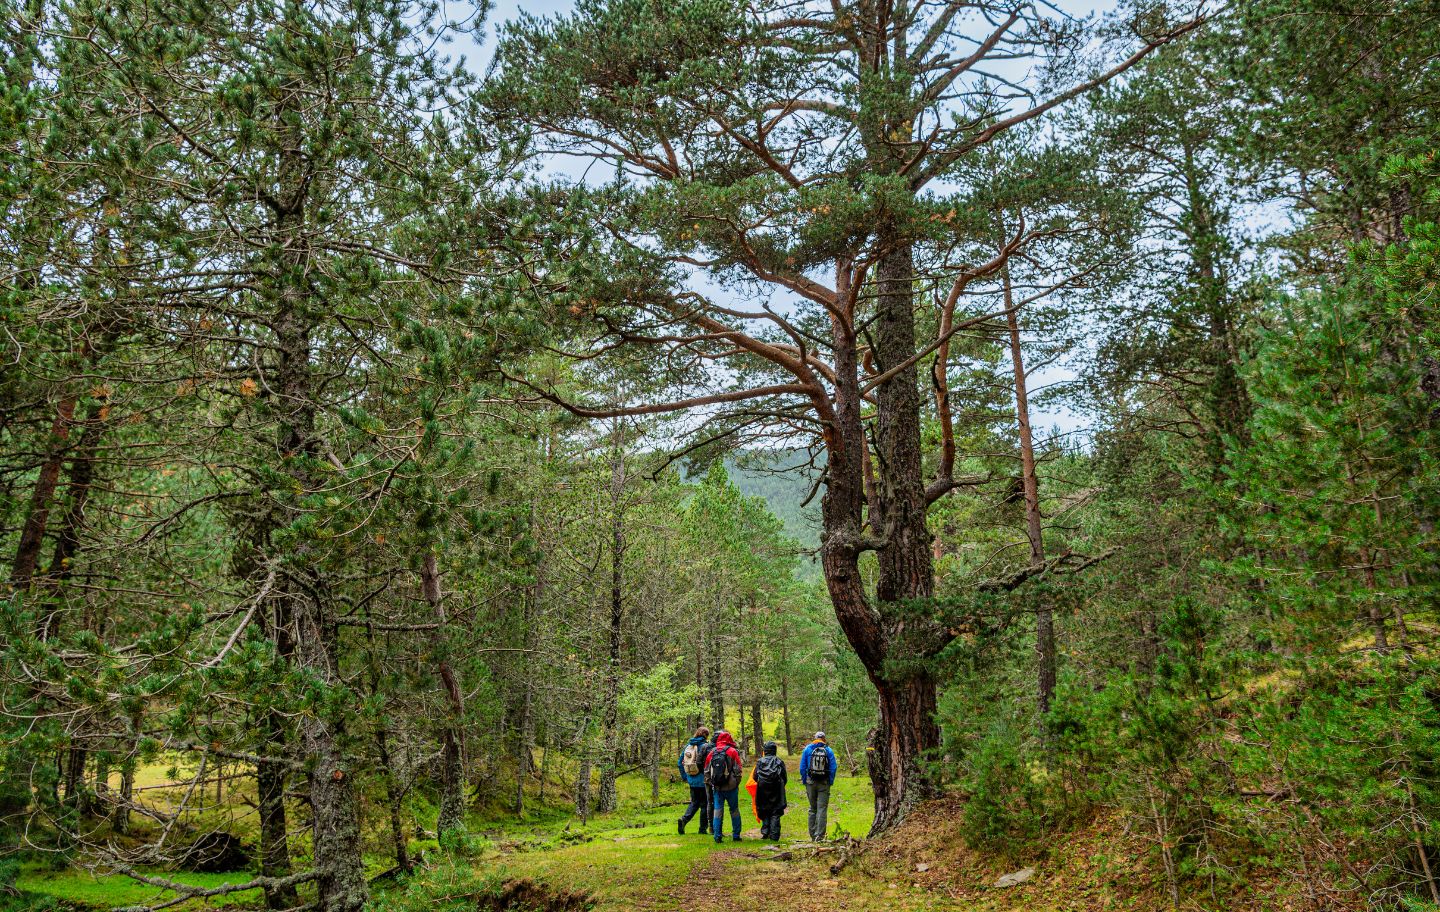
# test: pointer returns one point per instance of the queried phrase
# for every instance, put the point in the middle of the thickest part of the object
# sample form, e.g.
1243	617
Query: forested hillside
784	480
403	459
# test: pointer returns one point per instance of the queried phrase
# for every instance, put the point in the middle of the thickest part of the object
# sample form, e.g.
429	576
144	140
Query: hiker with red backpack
722	774
817	773
692	767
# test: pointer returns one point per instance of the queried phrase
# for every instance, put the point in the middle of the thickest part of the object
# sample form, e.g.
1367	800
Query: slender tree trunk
697	720
1227	396
1045	652
271	779
582	788
757	722
274	830
393	796
452	777
607	798
785	711
75	778
42	496
655	745
339	863
79	481
525	762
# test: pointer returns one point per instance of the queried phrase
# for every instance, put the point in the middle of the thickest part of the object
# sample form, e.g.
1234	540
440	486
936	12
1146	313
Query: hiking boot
734	838
682	826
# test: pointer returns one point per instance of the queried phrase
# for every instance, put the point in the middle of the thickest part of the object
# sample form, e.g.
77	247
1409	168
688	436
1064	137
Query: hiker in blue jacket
817	772
693	757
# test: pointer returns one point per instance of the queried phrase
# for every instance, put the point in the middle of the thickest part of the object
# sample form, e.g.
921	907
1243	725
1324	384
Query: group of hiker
714	771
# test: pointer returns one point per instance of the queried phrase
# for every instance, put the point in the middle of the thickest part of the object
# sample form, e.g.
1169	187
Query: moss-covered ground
634	859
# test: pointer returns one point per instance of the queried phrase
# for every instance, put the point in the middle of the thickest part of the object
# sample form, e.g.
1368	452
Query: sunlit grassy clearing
83	888
636	854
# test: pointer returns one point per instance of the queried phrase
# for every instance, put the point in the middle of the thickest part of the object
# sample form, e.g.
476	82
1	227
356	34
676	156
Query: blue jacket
694	781
805	762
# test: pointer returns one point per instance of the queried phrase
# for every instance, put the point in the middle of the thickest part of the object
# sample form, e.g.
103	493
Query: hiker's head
770	748
723	737
819	736
702	732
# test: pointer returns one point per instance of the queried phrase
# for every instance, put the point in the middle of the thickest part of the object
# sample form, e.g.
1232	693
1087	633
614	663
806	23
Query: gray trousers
819	795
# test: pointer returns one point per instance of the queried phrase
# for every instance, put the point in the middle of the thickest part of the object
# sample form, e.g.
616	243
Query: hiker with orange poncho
767	792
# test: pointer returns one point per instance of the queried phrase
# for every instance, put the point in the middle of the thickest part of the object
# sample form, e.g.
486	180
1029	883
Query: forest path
635	861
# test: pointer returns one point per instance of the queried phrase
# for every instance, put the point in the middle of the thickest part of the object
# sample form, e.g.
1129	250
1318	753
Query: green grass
632	857
635	854
81	888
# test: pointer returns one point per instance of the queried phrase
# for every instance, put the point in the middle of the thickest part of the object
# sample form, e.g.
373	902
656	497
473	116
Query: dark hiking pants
770	828
699	801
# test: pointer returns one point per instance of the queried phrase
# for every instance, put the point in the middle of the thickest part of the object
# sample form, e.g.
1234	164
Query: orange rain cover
750	787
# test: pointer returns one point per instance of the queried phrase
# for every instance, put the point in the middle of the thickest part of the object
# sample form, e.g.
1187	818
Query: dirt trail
708	877
754	878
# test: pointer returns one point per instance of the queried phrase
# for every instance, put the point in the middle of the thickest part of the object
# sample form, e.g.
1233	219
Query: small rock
922	867
1015	878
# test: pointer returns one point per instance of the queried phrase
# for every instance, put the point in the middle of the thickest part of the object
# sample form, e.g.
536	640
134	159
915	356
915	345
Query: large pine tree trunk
907	729
907	699
891	641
